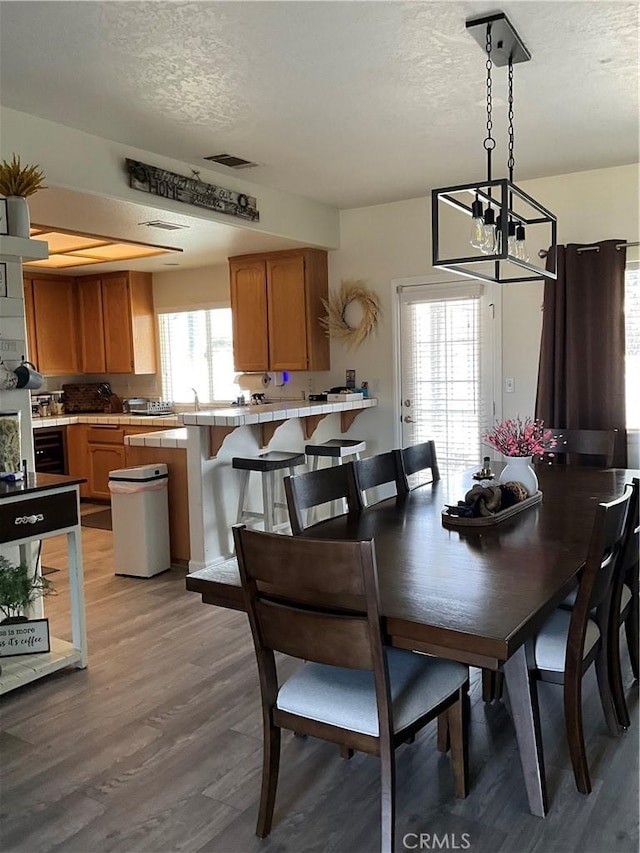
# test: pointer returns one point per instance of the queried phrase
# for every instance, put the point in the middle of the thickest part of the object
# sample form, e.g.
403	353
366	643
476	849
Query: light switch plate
509	385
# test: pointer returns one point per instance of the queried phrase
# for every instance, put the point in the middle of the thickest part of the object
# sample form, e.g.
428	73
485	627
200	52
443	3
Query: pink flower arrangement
517	437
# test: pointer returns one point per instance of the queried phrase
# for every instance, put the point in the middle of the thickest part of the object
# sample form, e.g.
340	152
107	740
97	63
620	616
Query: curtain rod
543	252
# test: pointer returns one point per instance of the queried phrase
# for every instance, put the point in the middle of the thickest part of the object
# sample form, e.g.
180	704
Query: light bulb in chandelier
521	247
512	243
489	245
477	225
498	248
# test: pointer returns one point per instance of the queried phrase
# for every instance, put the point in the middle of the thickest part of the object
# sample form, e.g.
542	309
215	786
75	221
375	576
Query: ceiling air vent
165	226
231	161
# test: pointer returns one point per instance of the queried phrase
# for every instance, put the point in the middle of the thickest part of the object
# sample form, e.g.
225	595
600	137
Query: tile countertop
232	416
170	437
168	421
236	416
162	438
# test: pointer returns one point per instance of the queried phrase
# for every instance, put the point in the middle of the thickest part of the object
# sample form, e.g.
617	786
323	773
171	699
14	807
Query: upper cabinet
117	323
51	315
276	300
91	324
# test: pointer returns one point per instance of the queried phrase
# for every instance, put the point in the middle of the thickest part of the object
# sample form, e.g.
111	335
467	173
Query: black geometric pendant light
491	229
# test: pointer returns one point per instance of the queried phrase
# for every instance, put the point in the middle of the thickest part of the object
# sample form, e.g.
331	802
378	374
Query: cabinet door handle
29	519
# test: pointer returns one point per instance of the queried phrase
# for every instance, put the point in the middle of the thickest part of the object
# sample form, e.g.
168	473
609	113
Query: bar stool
265	464
339	450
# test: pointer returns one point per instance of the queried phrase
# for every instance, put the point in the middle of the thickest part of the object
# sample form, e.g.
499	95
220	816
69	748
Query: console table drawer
38	515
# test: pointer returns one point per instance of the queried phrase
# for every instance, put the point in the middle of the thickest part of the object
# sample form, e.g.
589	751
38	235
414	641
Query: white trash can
140	519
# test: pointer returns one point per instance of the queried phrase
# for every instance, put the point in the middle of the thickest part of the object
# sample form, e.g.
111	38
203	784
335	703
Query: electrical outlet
509	385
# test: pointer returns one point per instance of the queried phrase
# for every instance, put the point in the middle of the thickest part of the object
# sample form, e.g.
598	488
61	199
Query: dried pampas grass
335	323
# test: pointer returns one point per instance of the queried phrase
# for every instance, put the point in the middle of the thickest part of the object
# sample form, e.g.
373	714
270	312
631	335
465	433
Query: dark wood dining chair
625	606
572	640
351	690
594	447
308	491
380	470
420	457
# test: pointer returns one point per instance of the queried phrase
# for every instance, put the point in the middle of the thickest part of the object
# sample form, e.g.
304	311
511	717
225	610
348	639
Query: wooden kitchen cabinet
77	455
178	493
103	458
117	323
51	315
95	449
276	299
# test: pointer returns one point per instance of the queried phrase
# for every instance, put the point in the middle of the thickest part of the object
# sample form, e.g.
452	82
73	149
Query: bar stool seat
338	450
265	464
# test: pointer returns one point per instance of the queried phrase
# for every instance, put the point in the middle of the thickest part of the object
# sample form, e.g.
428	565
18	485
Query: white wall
382	243
203	287
79	161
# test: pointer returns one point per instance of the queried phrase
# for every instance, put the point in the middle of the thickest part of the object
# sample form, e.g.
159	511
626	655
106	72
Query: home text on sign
169	185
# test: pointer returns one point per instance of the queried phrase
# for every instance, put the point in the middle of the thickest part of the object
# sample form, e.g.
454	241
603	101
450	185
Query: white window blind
442	367
196	351
632	347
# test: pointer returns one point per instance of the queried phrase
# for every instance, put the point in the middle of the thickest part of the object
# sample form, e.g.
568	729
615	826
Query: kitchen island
215	436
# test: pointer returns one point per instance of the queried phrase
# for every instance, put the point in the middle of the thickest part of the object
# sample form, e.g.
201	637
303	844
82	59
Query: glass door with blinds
446	359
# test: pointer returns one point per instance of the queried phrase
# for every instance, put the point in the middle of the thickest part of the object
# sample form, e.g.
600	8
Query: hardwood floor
156	748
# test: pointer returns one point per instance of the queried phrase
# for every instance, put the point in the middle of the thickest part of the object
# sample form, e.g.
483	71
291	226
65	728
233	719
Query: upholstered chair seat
346	697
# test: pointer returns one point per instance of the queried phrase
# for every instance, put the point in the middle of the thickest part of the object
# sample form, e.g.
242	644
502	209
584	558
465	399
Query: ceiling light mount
500	211
507	44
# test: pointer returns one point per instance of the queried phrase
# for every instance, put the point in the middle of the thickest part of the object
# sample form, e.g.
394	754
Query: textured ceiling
348	103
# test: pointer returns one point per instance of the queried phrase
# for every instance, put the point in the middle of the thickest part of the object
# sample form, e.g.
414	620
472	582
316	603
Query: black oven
49	444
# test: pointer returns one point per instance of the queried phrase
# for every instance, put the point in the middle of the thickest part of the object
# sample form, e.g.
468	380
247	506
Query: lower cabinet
176	461
77	461
103	458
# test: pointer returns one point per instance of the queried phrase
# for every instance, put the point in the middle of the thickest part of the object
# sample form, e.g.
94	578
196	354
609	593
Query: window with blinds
196	352
442	372
632	344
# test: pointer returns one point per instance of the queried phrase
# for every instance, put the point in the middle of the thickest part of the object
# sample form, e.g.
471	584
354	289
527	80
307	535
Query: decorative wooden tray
455	521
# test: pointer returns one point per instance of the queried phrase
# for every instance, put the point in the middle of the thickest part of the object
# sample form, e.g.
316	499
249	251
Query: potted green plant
19	589
17	182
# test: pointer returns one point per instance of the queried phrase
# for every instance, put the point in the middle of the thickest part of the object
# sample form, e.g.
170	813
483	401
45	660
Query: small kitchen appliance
152	408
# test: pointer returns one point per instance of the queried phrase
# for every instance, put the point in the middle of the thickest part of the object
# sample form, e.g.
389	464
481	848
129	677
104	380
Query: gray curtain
581	383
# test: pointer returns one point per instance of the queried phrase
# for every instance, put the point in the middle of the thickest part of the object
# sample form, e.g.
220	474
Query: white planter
18	220
518	469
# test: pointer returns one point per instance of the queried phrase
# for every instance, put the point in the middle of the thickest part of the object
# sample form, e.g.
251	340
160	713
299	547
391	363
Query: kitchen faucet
196	402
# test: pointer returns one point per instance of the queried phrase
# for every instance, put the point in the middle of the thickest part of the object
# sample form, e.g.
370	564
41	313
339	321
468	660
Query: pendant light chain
489	142
511	161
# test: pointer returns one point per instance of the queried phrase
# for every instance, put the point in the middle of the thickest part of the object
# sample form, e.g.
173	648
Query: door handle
408	419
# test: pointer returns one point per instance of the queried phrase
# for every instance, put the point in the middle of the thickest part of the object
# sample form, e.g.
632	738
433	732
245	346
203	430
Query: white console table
39	507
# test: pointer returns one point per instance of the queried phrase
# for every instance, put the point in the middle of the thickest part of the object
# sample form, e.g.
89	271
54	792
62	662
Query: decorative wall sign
4	219
166	184
3	279
24	638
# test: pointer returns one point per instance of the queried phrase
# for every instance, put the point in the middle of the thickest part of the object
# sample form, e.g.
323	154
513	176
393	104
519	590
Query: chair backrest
600	576
419	457
583	446
632	538
296	590
379	470
319	487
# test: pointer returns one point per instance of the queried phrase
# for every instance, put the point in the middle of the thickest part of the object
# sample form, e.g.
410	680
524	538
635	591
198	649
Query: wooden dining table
475	595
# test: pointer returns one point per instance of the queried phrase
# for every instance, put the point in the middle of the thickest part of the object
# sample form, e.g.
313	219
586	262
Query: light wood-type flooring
156	747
